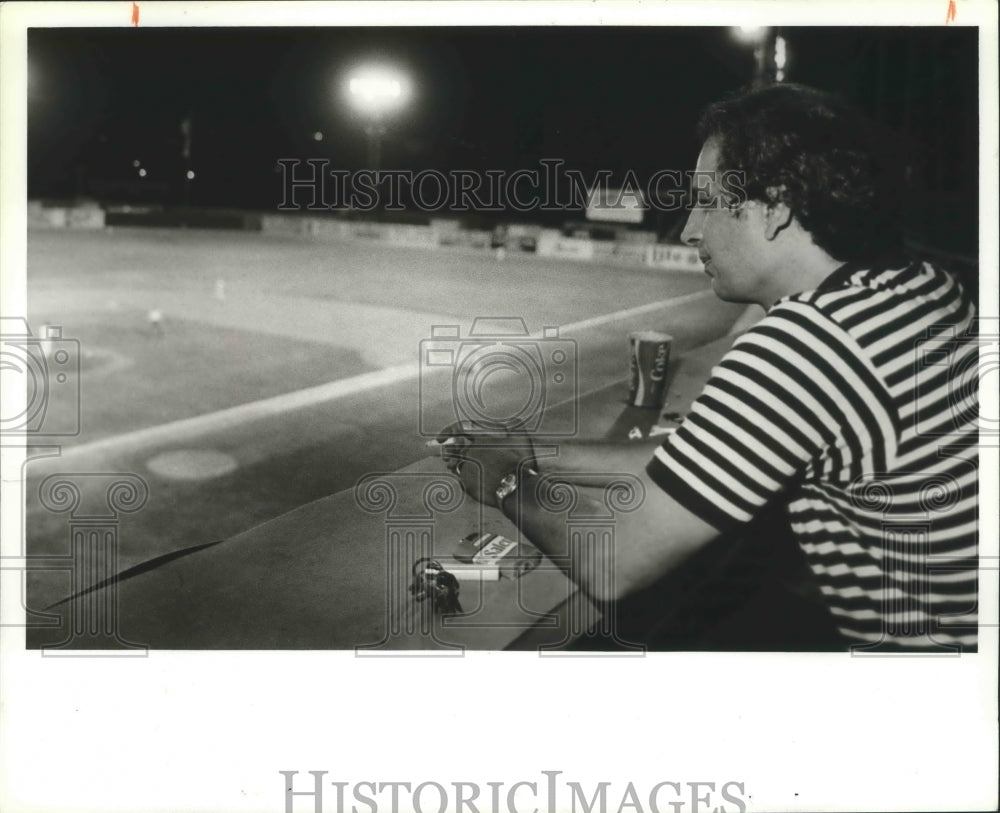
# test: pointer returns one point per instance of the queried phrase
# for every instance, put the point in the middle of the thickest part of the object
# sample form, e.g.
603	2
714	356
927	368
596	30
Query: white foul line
310	396
638	310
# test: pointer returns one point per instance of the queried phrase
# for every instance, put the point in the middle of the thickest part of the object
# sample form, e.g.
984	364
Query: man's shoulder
853	289
796	336
894	299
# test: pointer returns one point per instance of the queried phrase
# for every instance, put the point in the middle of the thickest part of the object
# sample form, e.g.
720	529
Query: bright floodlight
750	34
375	91
780	53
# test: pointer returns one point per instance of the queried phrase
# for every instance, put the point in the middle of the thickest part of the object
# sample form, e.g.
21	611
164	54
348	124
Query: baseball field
238	375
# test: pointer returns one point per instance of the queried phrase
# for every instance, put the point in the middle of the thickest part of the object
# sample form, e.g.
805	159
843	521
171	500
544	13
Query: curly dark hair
832	167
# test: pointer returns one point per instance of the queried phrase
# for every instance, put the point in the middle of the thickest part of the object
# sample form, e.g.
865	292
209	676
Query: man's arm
593	457
651	537
568	458
653	532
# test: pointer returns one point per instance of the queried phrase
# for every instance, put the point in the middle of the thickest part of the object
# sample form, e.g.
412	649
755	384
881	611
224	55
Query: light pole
769	52
374	130
376	92
187	135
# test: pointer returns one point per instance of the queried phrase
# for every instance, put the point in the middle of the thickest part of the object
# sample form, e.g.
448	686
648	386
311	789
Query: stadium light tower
769	49
376	92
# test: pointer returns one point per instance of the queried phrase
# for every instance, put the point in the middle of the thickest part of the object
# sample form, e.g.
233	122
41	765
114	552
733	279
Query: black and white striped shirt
858	403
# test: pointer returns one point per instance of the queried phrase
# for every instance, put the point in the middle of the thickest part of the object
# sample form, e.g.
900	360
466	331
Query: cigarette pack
495	552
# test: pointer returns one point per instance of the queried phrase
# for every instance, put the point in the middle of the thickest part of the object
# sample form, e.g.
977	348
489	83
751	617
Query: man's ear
777	216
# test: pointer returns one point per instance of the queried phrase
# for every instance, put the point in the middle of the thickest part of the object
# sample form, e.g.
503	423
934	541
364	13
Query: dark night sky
599	98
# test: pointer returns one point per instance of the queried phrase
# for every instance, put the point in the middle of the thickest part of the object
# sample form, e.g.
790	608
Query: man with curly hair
849	403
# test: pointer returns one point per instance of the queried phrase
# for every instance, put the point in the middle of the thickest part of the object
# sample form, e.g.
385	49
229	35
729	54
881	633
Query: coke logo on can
649	353
660	365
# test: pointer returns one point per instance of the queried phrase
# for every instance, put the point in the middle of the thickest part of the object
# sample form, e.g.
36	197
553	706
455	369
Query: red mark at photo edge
135	15
951	12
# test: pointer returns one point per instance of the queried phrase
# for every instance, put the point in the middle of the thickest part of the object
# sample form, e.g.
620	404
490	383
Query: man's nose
691	235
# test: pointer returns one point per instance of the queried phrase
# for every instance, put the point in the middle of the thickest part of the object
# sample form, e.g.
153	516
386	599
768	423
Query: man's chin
728	296
720	290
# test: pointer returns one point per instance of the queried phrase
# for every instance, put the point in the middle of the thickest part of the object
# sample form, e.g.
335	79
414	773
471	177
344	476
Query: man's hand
651	540
482	458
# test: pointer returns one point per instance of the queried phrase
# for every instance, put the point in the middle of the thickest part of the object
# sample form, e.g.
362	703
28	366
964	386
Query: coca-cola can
649	352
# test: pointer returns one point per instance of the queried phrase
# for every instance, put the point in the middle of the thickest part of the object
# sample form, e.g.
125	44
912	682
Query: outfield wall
446	233
90	216
439	233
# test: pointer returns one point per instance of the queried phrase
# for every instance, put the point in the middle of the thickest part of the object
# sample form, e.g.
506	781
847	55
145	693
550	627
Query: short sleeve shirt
857	405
